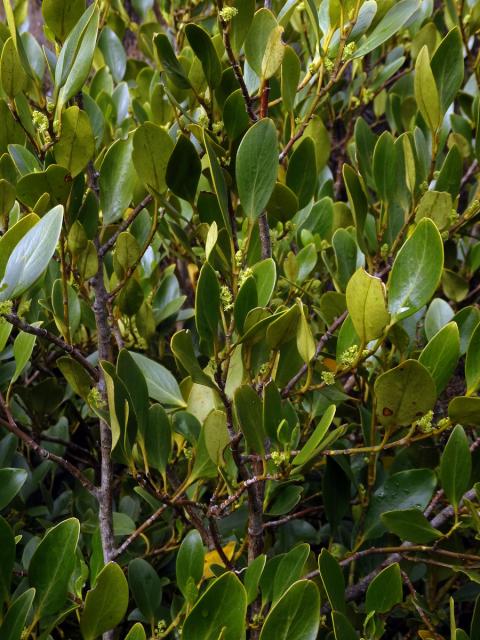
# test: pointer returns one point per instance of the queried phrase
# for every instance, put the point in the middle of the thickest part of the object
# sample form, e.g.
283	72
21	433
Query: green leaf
392	22
52	564
305	341
410	524
342	627
333	580
403	490
295	615
146	588
248	410
274	51
158	439
291	69
404	394
15	620
456	466
169	61
310	447
117	180
31	256
290	569
216	435
61	16
7	555
220	612
283	327
161	384
137	632
262	26
11	481
12	237
203	48
75	60
358	202
384	177
103	612
218	180
257	167
301	175
472	362
465	410
152	148
113	52
182	348
12	75
448	67
416	272
207	308
265	274
75	375
22	350
183	169
385	590
189	564
426	92
252	577
76	145
367	305
441	355
246	300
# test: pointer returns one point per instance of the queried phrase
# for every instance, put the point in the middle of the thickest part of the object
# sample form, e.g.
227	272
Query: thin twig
12	426
43	333
106	246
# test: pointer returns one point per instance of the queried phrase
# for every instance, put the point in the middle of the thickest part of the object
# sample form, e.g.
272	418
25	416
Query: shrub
240	330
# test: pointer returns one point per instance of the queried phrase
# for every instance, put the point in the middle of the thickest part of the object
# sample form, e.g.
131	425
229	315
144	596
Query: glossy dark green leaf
218	179
52	564
146	587
290	77
207	308
456	466
7	558
410	524
290	569
301	175
182	348
257	167
117	179
465	410
448	67
113	52
137	632
183	169
189	565
11	481
441	355
248	409
161	384
295	615
158	438
203	48
14	622
404	394
103	612
385	590
472	363
342	627
309	448
403	490
332	580
416	271
253	573
170	62
220	612
152	148
61	16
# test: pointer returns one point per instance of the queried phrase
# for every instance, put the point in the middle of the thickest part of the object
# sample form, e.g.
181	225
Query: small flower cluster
226	298
424	424
228	13
280	457
350	356
328	377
